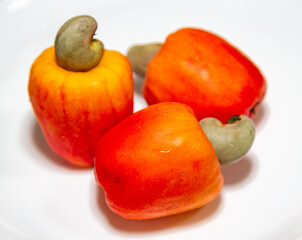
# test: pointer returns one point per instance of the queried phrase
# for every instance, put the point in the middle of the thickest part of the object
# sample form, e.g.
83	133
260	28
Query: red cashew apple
202	70
157	162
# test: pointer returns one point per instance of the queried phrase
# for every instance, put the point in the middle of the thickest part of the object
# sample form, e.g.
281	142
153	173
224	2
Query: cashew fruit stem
140	55
230	141
75	49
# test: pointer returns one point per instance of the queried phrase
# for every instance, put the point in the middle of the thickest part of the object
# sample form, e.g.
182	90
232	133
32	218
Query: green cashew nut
75	49
231	141
140	55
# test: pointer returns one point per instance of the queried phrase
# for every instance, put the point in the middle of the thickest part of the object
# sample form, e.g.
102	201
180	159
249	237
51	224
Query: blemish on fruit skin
45	96
117	180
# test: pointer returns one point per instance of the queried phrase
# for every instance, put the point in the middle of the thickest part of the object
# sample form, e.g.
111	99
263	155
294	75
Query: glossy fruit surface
207	73
157	162
74	109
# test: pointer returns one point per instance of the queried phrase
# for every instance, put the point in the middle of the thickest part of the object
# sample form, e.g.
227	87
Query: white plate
42	197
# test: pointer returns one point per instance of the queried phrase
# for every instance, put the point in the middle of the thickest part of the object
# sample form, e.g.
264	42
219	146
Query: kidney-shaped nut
140	55
231	141
75	49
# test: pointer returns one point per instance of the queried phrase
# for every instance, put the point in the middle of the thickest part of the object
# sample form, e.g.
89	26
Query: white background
42	197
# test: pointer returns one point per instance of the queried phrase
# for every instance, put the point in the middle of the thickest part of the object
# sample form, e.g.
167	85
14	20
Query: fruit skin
207	73
157	162
74	109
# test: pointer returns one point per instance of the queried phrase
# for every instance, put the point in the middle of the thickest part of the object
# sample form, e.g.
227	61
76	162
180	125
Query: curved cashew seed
140	55
75	49
231	141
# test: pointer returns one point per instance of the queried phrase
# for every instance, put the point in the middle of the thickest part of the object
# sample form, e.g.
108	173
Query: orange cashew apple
79	90
157	162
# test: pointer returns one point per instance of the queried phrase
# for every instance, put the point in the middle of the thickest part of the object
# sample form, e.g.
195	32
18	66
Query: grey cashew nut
230	141
140	55
75	49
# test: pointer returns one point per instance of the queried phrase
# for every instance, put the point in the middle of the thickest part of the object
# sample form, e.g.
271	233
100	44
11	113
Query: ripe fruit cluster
161	160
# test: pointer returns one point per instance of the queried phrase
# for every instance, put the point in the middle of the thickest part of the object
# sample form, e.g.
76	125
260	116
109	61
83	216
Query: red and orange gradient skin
157	162
74	109
207	73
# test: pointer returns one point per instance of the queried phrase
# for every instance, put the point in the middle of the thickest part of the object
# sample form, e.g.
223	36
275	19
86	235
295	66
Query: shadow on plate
193	217
242	172
261	115
138	82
